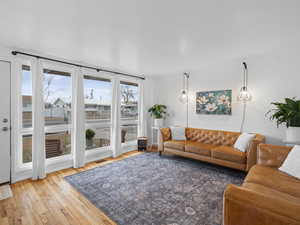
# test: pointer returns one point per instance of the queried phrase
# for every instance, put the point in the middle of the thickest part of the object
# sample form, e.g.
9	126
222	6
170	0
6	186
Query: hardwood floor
53	201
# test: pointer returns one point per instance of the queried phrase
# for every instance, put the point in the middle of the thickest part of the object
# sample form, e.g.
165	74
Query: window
97	101
129	111
58	144
57	88
26	108
26	97
27	148
57	97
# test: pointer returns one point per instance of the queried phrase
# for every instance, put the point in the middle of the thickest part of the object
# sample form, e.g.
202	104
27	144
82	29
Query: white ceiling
152	37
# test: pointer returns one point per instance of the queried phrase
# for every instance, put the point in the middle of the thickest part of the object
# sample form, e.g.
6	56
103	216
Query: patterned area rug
152	190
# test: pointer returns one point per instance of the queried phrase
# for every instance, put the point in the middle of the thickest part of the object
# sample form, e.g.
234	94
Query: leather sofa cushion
228	153
199	148
213	137
274	179
178	145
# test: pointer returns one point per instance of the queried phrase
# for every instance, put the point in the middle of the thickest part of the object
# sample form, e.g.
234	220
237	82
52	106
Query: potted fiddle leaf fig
89	135
158	112
288	113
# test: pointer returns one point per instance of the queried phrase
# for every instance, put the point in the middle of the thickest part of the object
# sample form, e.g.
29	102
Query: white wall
150	99
273	75
5	53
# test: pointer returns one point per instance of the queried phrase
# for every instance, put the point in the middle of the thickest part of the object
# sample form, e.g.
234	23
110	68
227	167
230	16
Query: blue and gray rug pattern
150	190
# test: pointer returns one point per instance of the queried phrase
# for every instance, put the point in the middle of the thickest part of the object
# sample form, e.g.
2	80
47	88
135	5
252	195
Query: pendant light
245	95
184	95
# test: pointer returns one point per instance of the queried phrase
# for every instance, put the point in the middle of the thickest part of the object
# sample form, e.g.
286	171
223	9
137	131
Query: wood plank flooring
53	201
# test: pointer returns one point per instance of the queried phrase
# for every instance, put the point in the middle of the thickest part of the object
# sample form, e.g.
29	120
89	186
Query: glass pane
97	137
58	144
27	148
129	101
26	96
128	133
57	97
97	98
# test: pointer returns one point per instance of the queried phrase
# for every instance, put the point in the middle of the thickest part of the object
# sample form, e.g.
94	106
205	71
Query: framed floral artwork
214	102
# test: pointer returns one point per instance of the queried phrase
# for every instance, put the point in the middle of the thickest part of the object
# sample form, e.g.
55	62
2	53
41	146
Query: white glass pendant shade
183	97
244	95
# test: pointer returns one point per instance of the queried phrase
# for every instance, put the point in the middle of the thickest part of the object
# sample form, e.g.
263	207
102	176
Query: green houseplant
158	112
288	114
89	135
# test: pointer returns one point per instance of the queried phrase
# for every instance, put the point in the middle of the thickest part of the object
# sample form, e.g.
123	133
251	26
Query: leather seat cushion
275	179
199	148
229	153
178	145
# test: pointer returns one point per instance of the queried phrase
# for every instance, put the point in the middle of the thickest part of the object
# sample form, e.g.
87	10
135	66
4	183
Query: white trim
141	109
22	175
116	113
78	120
98	155
58	67
59	164
15	81
58	128
17	126
129	148
94	73
128	122
38	137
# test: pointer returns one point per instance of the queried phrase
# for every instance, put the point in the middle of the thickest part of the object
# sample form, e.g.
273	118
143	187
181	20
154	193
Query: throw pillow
178	133
243	141
291	164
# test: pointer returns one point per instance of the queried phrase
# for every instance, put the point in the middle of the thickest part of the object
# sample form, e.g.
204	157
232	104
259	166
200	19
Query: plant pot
89	143
293	134
158	122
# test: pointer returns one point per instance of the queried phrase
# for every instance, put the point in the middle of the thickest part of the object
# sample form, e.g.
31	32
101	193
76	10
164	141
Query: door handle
5	128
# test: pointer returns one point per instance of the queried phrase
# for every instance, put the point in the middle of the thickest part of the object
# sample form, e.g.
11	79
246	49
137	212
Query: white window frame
19	113
130	145
93	152
23	170
62	127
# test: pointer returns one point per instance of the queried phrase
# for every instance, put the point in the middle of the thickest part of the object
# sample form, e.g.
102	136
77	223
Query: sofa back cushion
166	134
213	137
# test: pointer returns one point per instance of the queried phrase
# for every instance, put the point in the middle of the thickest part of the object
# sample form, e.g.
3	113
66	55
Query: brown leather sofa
267	196
213	146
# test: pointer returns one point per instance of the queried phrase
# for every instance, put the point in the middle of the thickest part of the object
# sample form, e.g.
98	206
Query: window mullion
38	151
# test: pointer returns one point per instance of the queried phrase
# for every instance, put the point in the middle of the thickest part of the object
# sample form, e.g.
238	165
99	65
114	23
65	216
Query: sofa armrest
165	135
252	151
272	155
247	207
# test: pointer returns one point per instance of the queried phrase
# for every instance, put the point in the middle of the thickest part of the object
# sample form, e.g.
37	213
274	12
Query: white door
4	122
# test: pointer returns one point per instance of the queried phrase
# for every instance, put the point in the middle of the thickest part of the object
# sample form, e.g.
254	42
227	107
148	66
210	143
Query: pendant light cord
244	116
187	103
245	74
245	83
